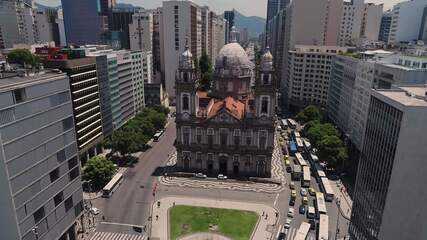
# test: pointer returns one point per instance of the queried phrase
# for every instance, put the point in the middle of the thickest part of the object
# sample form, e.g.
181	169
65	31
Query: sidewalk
345	203
160	227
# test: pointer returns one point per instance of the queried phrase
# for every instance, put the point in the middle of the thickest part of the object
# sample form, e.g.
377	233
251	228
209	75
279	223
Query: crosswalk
292	232
116	236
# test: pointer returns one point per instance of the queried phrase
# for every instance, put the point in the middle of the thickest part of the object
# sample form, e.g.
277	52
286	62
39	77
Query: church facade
230	129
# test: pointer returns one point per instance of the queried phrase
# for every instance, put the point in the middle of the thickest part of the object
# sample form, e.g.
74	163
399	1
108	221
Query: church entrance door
223	165
236	168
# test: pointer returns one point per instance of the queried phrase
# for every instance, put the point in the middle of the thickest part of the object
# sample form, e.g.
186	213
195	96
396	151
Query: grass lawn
235	224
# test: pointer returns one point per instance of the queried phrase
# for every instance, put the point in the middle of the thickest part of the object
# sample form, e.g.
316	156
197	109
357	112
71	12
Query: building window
19	95
74	173
266	79
72	163
249	138
263	139
248	161
199	135
185	102
237	137
78	208
39	215
68	203
58	198
54	175
210	136
60	156
224	137
67	123
186	136
265	101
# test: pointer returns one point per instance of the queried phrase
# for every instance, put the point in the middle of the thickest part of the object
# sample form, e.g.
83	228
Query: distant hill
42	7
255	25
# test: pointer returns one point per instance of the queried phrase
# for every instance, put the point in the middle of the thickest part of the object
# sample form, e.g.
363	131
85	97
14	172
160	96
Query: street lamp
34	230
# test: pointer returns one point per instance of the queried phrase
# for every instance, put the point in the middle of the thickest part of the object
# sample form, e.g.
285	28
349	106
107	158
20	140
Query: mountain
42	7
255	25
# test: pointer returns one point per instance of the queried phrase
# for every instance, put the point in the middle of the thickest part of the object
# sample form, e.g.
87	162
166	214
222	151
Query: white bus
314	158
320	204
302	232
307	146
306	176
323	232
158	135
300	160
300	145
108	190
292	123
284	124
327	189
296	134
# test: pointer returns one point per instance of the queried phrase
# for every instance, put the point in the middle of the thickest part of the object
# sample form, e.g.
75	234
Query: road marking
275	201
121	224
278	232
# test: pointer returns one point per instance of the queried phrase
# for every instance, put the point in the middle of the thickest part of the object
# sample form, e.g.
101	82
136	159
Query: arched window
185	102
266	79
186	77
265	102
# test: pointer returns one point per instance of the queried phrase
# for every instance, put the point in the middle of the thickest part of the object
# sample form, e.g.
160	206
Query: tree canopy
310	113
206	72
23	57
331	149
98	171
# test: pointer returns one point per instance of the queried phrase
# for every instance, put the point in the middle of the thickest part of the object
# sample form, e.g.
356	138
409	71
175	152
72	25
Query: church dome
186	59
233	56
267	60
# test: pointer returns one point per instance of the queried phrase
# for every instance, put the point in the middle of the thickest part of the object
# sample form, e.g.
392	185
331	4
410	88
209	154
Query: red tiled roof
232	106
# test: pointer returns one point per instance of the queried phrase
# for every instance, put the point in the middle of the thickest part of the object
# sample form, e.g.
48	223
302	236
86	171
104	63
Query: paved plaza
160	225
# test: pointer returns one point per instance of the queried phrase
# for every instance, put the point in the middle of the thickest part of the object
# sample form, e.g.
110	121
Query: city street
131	204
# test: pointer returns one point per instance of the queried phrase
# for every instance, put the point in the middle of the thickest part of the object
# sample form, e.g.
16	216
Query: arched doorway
260	168
210	167
235	168
186	162
223	164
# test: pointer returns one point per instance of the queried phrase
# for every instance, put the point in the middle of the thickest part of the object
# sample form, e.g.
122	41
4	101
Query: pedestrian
277	214
103	218
266	216
263	213
157	217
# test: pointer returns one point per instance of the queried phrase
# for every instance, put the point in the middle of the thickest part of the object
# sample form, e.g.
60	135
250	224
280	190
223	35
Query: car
302	209
282	236
287	223
201	175
312	224
293	193
288	169
310	212
292	185
305	200
291	202
303	192
287	162
222	177
311	191
291	212
94	210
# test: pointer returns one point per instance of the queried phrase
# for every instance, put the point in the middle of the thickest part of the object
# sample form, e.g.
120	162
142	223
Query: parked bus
323	231
305	176
292	147
158	135
320	204
313	158
296	134
292	123
302	232
327	189
300	159
285	125
307	146
114	183
300	145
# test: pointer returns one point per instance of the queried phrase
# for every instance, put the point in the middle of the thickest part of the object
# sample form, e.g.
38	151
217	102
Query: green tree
332	150
98	171
23	57
126	141
206	71
161	109
310	113
317	132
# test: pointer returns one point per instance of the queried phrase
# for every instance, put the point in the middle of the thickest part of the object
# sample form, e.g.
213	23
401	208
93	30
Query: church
229	129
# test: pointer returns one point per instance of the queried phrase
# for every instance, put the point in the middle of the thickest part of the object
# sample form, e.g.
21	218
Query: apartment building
409	13
141	31
385	26
85	95
308	74
389	195
39	169
352	79
142	72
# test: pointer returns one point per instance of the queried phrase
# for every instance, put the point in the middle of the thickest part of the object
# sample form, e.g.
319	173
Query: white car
287	223
303	192
201	175
291	212
94	210
222	177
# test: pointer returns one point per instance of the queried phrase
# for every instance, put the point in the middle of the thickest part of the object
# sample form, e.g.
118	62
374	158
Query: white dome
233	56
186	59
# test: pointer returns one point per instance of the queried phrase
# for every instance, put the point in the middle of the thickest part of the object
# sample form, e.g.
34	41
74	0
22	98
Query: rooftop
414	96
13	82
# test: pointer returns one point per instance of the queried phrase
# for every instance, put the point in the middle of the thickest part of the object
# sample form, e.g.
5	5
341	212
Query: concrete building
141	31
119	20
385	26
142	72
371	22
16	23
392	168
39	169
61	28
229	16
273	8
409	13
85	94
83	22
351	83
230	132
423	29
158	45
307	78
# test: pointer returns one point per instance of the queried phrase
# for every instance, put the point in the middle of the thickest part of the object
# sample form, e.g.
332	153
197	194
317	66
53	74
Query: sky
247	7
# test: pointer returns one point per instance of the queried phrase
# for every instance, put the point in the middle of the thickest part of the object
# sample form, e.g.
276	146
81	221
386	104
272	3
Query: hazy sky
247	7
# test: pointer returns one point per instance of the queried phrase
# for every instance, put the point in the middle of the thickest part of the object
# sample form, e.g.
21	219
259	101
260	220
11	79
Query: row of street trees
130	138
323	136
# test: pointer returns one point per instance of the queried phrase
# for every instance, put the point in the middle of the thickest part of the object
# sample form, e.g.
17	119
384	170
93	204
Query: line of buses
301	172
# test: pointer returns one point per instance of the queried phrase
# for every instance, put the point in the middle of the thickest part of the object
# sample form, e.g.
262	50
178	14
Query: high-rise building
371	22
85	94
119	21
83	22
385	26
16	23
39	169
46	26
229	16
124	68
392	167
61	28
423	29
273	8
244	36
142	72
158	44
141	31
307	78
409	13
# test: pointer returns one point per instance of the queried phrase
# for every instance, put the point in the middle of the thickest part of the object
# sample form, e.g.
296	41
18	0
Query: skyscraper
229	16
385	26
